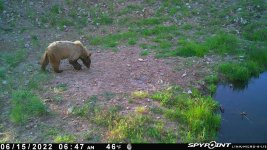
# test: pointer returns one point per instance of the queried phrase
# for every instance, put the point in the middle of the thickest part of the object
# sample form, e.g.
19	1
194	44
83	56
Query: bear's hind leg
45	63
55	64
55	67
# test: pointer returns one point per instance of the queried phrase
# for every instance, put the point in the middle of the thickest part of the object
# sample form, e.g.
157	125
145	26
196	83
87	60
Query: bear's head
86	56
87	59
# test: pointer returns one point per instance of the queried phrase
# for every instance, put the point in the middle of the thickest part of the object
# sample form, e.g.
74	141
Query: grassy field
233	31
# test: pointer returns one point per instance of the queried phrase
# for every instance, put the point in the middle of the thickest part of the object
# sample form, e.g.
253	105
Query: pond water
251	127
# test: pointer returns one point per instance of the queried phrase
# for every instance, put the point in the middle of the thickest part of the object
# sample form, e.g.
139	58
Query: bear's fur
59	50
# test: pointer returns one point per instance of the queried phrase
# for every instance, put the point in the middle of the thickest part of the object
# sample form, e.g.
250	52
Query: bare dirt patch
116	72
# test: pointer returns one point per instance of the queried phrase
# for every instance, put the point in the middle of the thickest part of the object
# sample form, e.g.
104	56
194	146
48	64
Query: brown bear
59	50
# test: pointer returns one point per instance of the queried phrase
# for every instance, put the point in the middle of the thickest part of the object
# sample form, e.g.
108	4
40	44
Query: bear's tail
44	61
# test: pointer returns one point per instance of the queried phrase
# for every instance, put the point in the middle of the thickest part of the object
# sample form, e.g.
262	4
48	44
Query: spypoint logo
210	145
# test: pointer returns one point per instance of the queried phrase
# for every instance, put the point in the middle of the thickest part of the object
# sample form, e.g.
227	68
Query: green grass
159	30
104	19
144	52
164	44
3	72
25	105
239	72
190	48
92	136
58	17
108	95
139	129
196	114
1	6
112	40
51	131
87	109
211	83
141	110
139	94
164	97
36	80
99	115
255	31
258	35
132	41
12	59
211	79
222	43
70	2
258	55
60	88
64	139
129	9
127	127
35	40
219	44
105	116
55	9
150	21
121	128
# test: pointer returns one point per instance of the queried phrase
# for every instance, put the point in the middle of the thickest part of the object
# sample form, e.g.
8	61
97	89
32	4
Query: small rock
98	51
149	100
184	75
160	81
162	74
127	108
47	100
209	59
27	45
26	82
27	126
128	65
158	117
189	92
70	110
141	60
4	82
239	9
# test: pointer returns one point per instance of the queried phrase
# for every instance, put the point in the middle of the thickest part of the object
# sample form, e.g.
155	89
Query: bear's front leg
75	64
